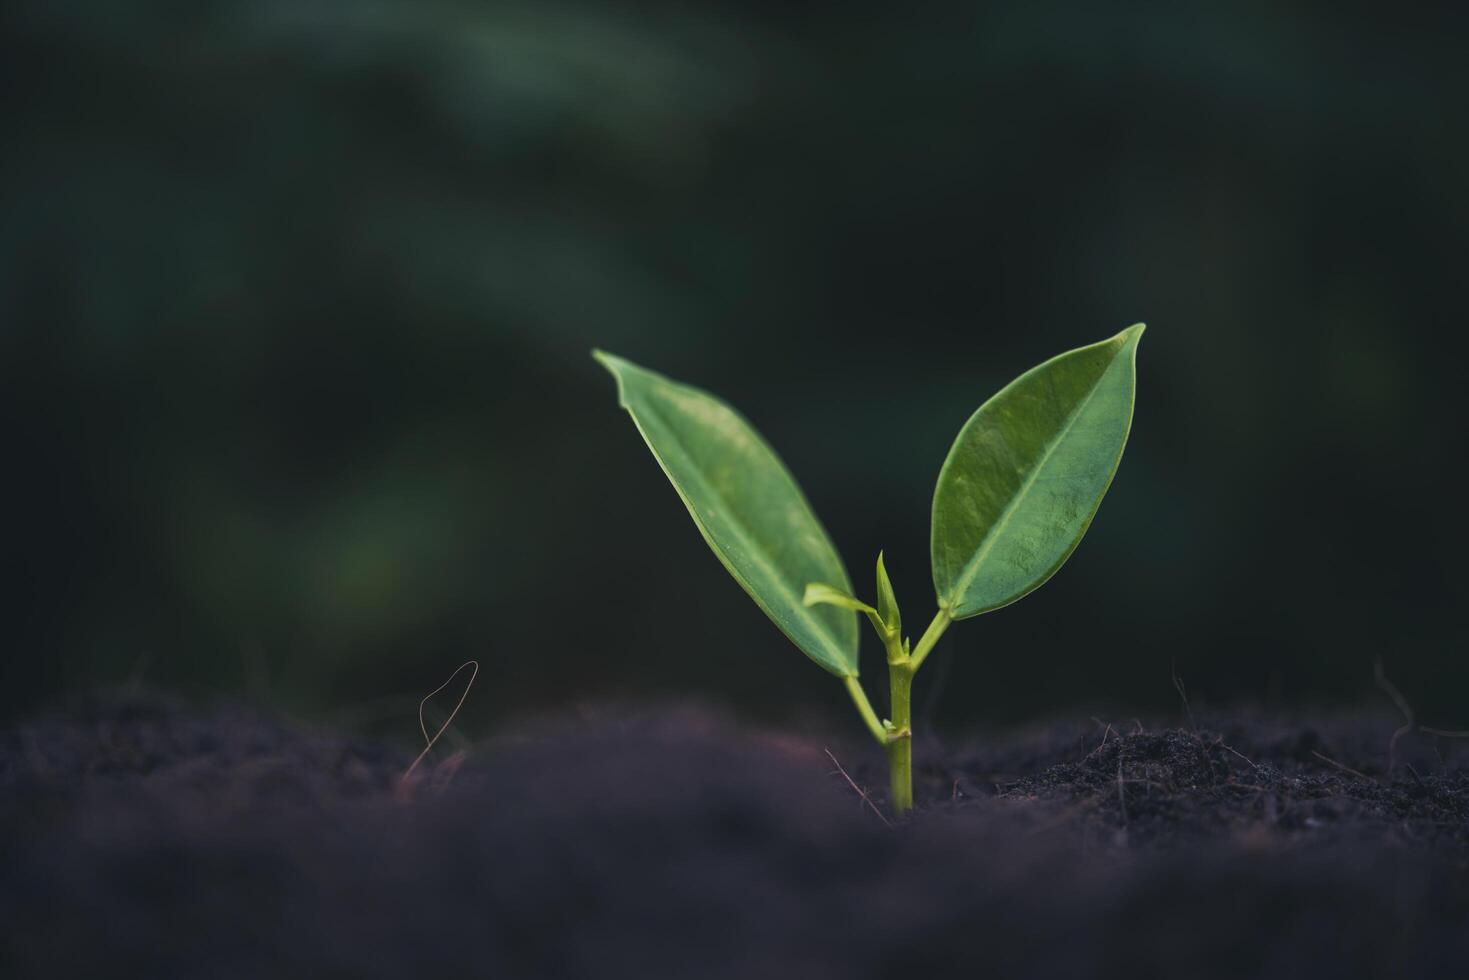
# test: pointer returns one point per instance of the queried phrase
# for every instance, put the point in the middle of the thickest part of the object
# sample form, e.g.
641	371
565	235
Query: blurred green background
296	299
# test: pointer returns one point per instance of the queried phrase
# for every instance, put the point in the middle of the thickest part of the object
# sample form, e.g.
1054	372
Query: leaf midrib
971	567
746	536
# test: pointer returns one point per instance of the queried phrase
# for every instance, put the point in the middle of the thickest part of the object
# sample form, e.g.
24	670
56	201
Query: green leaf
1026	474
747	506
887	601
821	594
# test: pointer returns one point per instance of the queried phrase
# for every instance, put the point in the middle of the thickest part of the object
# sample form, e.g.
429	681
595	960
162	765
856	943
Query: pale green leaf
887	601
747	506
1027	473
821	594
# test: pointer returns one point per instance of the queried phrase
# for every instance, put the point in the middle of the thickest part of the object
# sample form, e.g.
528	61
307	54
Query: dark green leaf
1026	474
747	506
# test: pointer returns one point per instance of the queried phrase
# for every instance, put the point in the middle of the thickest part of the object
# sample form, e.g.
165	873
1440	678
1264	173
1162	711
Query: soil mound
142	838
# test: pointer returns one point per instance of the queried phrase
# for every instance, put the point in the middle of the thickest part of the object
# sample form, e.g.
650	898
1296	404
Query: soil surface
142	838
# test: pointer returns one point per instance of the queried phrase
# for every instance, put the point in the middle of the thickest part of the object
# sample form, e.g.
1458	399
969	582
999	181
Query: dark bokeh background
296	298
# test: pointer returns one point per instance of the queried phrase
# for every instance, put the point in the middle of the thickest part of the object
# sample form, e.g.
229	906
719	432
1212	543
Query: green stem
901	668
864	708
900	743
930	637
897	737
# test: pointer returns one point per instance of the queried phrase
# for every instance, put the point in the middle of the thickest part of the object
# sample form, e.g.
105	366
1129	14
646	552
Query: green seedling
1018	490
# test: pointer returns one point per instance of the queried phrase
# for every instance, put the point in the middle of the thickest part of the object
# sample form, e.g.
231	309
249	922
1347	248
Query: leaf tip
887	600
615	366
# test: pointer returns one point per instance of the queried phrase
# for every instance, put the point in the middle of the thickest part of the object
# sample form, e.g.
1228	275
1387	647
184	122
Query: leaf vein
971	567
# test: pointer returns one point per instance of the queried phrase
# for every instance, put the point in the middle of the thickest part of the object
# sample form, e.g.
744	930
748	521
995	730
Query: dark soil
138	838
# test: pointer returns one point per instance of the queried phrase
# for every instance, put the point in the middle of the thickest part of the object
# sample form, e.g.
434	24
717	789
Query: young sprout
1018	490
